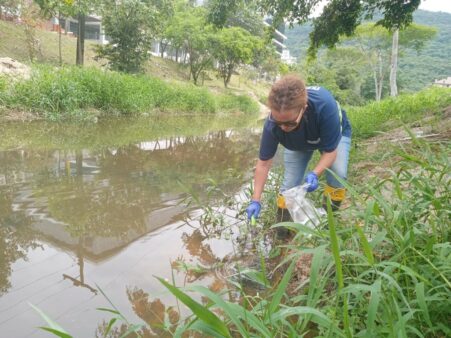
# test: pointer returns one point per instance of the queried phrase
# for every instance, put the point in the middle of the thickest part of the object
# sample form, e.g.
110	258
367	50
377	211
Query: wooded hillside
415	70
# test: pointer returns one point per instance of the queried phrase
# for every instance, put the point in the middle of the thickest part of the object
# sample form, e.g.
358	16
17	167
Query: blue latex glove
253	209
312	180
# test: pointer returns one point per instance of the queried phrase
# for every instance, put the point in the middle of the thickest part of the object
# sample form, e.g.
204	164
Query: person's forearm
325	161
261	174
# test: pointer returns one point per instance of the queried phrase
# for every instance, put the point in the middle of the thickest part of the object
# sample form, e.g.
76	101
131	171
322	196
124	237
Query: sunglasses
289	124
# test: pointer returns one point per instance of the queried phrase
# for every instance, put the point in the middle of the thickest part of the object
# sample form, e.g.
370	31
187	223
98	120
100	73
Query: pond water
105	206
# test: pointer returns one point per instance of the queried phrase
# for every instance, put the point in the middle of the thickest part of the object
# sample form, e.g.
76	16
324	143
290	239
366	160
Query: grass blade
338	266
56	332
199	310
316	315
224	306
365	245
132	329
419	290
108	310
115	311
54	327
373	305
280	291
109	326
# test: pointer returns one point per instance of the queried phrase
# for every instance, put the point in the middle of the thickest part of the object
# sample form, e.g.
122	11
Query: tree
342	70
339	17
376	43
267	62
226	13
220	11
190	30
415	36
233	47
58	9
30	18
165	10
130	25
394	63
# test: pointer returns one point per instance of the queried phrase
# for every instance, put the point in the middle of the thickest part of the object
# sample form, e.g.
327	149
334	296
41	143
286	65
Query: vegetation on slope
81	93
416	70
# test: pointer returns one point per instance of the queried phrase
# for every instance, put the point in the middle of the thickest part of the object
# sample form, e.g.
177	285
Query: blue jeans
296	163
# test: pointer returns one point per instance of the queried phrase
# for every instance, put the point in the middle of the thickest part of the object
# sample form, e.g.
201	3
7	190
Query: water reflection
93	203
16	236
160	319
80	279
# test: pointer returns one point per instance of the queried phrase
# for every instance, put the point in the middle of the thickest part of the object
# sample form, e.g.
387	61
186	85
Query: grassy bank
380	268
389	113
80	93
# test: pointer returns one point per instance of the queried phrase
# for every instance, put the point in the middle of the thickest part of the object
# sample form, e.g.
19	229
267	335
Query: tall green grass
380	116
74	93
382	269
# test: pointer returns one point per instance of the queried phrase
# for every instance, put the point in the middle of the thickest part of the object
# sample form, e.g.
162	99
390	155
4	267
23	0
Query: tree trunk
394	64
376	85
80	40
380	77
162	48
59	39
193	71
228	77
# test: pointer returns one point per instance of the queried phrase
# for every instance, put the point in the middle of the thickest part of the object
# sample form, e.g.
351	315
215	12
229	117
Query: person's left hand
253	210
312	180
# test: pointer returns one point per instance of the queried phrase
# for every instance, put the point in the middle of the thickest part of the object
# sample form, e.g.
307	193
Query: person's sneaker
283	215
334	204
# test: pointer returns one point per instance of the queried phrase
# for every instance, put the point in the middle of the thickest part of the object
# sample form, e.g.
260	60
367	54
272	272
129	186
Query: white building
443	82
93	28
287	58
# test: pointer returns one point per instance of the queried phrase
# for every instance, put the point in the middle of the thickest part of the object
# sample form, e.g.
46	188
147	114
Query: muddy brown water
83	207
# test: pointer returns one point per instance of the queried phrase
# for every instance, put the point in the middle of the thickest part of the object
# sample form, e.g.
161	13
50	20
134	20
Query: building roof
446	81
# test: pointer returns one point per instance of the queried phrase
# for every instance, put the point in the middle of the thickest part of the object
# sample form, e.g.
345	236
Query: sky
428	5
436	5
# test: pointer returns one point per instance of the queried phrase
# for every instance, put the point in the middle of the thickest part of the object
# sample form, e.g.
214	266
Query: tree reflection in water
94	203
16	234
162	320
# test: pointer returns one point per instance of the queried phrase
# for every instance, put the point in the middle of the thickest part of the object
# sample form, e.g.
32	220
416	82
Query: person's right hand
312	180
253	209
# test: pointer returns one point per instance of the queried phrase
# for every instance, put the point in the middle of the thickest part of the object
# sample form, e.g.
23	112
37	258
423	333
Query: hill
13	45
416	70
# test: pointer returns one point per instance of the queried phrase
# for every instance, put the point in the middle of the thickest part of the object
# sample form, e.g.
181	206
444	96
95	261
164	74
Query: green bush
369	119
234	103
74	93
3	87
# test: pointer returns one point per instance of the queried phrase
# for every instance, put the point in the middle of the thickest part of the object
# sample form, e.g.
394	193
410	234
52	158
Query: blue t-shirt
321	127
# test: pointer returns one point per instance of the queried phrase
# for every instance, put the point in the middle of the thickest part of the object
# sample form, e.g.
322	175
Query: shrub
73	92
373	117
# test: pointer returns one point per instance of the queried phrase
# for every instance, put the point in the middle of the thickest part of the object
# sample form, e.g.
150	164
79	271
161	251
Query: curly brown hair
287	93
